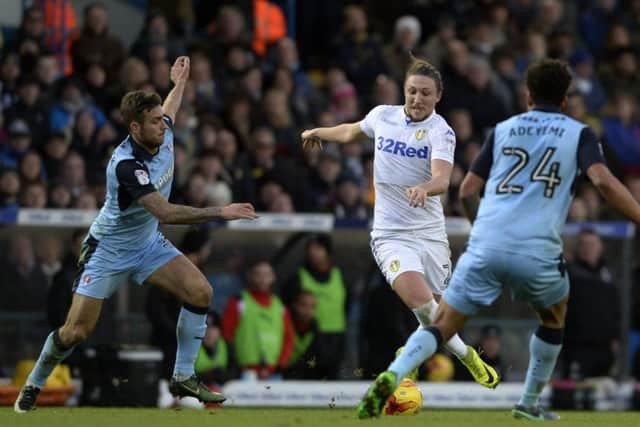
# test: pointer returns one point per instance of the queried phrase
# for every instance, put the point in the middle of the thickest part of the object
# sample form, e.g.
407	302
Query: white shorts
397	252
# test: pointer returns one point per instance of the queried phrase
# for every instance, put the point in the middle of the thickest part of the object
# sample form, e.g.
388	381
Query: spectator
48	72
436	46
322	184
307	353
266	166
74	174
71	100
29	108
213	363
217	182
30	40
56	148
405	45
59	197
25	285
31	168
385	324
279	117
621	130
60	293
320	276
591	340
97	44
228	281
9	189
155	35
49	255
349	204
489	349
359	52
259	326
586	82
621	75
34	196
10	71
18	144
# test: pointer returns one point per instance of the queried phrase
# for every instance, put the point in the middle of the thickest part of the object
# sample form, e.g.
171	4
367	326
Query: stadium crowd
253	89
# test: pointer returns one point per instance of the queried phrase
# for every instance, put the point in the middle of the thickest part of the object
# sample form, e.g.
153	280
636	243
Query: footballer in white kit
406	238
414	148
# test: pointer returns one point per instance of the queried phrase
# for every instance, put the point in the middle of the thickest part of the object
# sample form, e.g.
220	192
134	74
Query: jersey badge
420	133
142	176
394	266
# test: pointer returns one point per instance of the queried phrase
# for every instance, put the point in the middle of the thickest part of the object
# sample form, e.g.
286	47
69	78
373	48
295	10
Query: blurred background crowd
263	71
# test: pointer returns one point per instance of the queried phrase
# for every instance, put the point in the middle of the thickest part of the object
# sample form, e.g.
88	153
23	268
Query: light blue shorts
480	275
103	268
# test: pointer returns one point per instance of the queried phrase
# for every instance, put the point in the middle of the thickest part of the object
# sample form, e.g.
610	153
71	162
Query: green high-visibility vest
300	345
260	333
331	296
220	360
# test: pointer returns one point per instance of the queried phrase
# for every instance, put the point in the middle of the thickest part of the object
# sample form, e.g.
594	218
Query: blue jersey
133	172
530	163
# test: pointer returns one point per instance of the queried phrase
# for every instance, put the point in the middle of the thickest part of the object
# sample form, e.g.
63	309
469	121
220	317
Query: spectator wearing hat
18	144
320	276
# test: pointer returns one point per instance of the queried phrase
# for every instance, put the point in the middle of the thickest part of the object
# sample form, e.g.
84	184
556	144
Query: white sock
425	314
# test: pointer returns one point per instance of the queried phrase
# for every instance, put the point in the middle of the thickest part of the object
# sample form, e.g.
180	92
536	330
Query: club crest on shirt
420	133
394	266
142	176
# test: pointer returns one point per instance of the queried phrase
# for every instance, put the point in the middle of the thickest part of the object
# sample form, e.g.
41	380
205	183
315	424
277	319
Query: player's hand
180	69
238	211
310	140
417	196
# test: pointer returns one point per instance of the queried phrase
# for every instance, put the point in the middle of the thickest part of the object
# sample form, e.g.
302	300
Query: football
406	400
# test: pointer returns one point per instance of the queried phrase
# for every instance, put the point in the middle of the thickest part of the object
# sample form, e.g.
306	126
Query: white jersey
403	153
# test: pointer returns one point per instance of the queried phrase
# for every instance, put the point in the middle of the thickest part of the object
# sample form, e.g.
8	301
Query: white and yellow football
406	400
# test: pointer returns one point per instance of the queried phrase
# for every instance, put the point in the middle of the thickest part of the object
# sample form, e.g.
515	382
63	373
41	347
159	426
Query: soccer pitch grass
231	417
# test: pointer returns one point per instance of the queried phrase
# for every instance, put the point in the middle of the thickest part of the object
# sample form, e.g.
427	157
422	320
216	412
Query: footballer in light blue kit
527	168
124	243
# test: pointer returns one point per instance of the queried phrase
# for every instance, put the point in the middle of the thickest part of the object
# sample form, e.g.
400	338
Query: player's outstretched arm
179	75
169	213
469	195
347	132
614	192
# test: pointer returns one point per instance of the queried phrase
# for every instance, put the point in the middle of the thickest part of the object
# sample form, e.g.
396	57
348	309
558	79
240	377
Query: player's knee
202	294
71	335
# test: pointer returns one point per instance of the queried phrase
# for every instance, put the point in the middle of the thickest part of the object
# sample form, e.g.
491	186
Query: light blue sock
50	356
420	346
542	360
190	331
